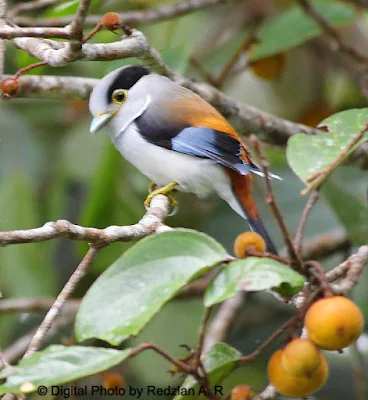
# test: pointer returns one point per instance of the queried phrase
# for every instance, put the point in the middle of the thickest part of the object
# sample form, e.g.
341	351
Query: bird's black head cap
126	78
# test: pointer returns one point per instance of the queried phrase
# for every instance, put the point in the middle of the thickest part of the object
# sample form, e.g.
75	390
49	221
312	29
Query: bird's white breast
164	166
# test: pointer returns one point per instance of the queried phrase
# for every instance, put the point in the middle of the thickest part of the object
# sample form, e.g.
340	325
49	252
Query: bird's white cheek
128	114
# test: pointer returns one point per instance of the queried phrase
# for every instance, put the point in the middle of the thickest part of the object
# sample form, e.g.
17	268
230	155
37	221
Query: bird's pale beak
101	120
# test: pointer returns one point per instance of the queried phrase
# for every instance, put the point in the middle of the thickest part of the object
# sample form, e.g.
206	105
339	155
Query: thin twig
61	299
28	68
318	273
271	200
93	32
255	253
245	360
307	209
202	332
181	365
332	33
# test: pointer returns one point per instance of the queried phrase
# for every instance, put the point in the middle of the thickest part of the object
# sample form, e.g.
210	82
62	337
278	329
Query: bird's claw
166	191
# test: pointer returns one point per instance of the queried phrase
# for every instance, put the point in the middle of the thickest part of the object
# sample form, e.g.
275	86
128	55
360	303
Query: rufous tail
243	191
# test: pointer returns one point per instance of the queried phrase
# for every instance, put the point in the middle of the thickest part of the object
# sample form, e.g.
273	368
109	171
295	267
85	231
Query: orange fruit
300	357
269	68
111	21
334	322
248	240
292	386
241	392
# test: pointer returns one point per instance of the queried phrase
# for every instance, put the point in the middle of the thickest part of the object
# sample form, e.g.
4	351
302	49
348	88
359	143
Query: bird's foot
165	190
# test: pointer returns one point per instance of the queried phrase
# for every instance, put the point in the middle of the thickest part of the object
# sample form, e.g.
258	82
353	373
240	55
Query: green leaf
308	154
293	27
57	365
352	213
125	297
63	9
252	274
219	361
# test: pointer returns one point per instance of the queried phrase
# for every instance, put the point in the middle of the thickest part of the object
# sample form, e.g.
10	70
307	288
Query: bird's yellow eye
119	96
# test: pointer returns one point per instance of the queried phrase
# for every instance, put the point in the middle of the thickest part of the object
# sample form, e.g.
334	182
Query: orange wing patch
192	109
197	112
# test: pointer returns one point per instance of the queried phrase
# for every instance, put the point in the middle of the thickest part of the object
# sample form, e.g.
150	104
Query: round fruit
9	87
300	358
111	21
334	323
241	392
248	240
113	380
292	386
269	68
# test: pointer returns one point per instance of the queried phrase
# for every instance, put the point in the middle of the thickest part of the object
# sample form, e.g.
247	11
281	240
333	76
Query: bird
176	139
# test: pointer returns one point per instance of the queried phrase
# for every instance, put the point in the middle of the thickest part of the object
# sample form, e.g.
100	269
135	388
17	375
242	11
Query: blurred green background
51	168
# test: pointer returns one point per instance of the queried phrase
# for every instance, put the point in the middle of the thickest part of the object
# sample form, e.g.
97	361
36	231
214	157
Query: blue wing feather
208	143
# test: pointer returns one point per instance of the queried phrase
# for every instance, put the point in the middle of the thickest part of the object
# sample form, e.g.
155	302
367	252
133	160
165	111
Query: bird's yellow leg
165	190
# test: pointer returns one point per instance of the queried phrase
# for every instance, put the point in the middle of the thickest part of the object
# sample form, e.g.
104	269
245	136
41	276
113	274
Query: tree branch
76	29
150	222
351	269
10	32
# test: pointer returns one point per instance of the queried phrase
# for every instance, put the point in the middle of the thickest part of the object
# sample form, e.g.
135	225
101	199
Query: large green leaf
352	213
137	285
252	274
293	27
308	154
219	361
57	365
